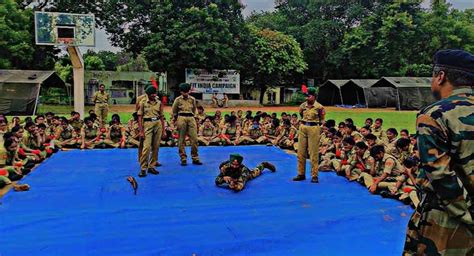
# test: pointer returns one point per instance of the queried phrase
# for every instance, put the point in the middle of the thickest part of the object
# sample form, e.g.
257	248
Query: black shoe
269	166
184	163
314	180
158	164
142	174
153	171
197	162
299	178
387	194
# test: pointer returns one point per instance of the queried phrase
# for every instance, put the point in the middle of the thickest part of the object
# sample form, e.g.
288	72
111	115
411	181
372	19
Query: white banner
217	81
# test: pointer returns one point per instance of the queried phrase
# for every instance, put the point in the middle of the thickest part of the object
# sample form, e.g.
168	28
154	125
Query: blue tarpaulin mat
81	204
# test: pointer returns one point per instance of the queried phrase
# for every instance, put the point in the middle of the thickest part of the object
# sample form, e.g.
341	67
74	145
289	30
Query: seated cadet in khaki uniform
10	173
405	191
231	132
236	175
53	126
17	133
76	121
89	133
200	116
343	166
286	136
208	133
66	137
31	141
334	150
17	165
372	141
271	129
254	134
151	126
401	150
115	134
378	131
218	121
360	162
46	144
351	130
392	135
388	171
132	132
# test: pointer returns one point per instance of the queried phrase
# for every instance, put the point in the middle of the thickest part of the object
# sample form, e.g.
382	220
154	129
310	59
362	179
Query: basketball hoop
66	41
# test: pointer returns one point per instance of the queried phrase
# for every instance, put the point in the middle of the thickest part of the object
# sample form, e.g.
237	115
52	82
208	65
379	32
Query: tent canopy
19	89
354	91
330	92
412	93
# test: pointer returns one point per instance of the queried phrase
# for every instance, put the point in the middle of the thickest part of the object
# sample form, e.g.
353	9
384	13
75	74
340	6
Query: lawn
396	119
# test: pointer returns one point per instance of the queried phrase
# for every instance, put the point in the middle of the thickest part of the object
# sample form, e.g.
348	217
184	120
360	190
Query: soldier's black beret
454	59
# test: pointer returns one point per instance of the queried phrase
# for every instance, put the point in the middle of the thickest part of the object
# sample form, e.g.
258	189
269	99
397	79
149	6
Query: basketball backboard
54	28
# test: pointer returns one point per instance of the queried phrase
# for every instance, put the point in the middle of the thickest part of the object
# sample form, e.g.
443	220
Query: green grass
394	119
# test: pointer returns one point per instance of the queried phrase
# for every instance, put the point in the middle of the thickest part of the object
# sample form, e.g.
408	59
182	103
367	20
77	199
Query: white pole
78	70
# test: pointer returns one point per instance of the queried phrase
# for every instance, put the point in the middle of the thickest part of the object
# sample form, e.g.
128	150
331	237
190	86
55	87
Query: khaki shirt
139	99
3	156
100	98
149	109
312	113
184	106
392	168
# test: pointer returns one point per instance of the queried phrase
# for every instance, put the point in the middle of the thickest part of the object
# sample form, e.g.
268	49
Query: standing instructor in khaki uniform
184	109
101	101
312	114
150	124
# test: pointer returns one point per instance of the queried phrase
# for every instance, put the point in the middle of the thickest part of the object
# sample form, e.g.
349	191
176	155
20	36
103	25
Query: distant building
123	87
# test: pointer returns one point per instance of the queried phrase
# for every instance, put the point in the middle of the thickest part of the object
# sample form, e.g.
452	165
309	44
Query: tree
137	64
274	58
16	50
200	36
93	63
320	27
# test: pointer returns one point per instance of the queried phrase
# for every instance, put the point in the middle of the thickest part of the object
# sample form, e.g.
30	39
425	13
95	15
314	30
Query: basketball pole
78	73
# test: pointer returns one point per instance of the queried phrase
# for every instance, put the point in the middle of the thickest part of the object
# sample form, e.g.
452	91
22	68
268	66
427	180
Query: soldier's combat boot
314	180
299	178
142	174
184	163
153	171
269	166
197	162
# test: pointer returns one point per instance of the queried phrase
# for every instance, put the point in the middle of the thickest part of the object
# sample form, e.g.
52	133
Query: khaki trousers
308	144
151	144
187	126
102	110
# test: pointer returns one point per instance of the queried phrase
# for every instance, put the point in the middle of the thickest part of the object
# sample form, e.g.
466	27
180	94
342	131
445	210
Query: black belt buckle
311	123
152	119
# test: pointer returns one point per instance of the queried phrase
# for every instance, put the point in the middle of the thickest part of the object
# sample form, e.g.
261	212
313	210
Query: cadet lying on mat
235	174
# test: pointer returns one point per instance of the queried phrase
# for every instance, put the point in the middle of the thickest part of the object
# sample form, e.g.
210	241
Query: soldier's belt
186	114
310	123
152	119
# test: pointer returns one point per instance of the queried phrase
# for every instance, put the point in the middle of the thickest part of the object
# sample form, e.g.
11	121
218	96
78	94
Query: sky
102	43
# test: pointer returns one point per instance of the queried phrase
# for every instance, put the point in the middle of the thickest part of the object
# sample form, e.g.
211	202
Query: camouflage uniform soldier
184	108
235	174
133	132
101	101
443	222
151	126
312	114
